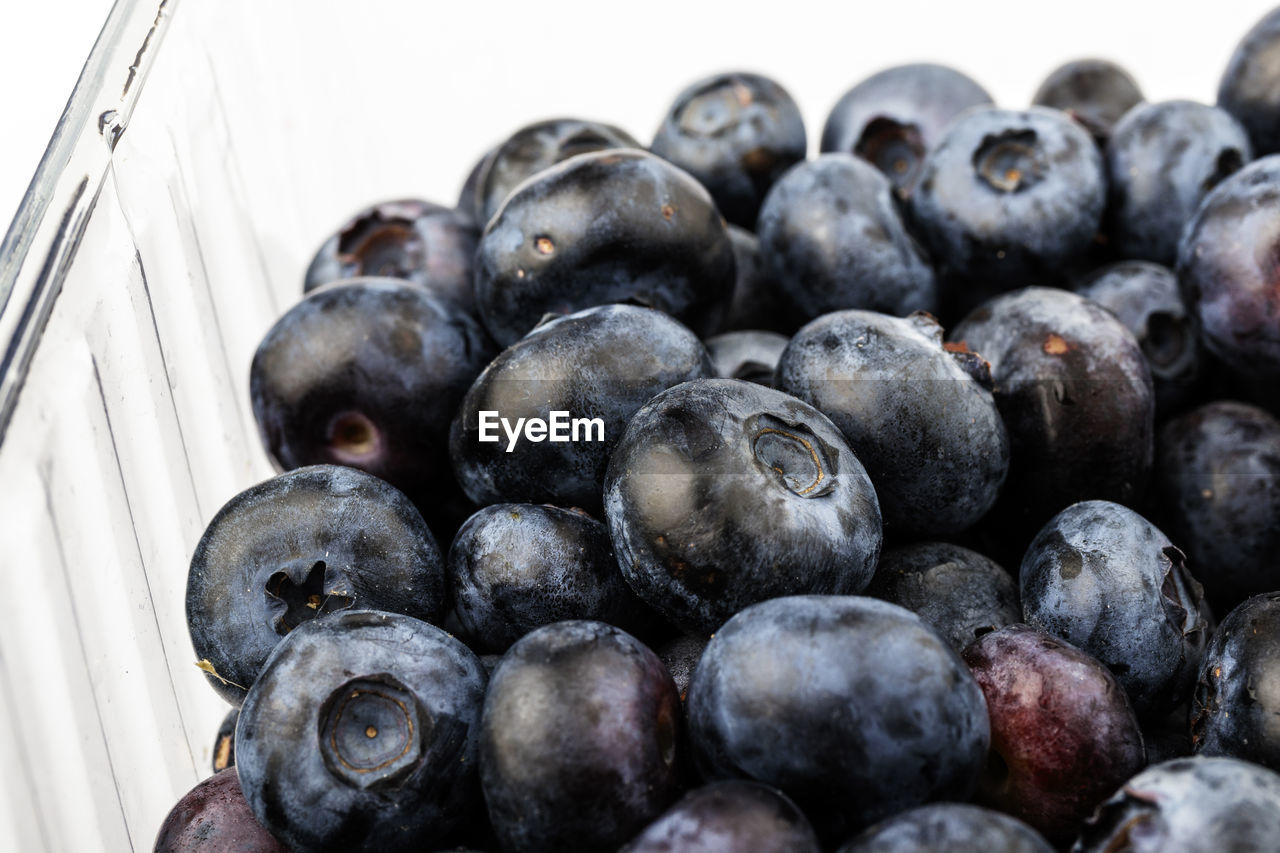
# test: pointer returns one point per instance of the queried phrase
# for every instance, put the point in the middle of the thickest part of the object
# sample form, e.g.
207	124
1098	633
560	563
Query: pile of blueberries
921	496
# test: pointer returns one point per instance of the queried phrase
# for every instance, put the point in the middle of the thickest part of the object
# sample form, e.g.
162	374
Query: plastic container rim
41	242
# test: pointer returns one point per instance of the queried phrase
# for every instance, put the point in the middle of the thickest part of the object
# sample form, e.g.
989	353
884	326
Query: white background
1175	49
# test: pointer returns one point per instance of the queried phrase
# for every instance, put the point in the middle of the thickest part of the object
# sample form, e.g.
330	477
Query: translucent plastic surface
127	429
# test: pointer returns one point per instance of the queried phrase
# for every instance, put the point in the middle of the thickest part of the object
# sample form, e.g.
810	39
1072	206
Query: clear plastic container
208	149
206	152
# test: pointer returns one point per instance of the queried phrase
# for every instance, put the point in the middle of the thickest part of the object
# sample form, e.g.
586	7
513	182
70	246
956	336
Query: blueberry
1105	579
1075	393
224	744
895	116
680	656
467	195
1008	198
853	707
949	828
410	239
368	373
579	740
535	147
1145	297
749	355
1162	159
213	817
1218	484
1189	805
1236	709
362	734
723	493
517	567
831	234
736	133
1063	735
613	226
759	301
958	592
601	365
1248	87
1094	92
929	434
727	817
298	546
1227	267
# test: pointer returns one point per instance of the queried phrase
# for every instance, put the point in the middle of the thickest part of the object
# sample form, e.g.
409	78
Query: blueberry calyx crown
377	245
801	460
354	439
1181	594
895	148
296	597
1228	162
372	730
1010	161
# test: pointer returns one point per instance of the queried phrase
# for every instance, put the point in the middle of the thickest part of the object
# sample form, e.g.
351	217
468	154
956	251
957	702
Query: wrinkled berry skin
613	226
723	493
1063	735
949	828
728	817
604	362
1076	396
958	592
409	239
928	432
362	734
1146	298
579	745
736	133
1095	92
1236	708
759	301
830	232
892	118
367	373
1008	198
213	817
300	545
1227	267
1218	484
1248	89
851	706
752	356
517	567
535	147
1105	579
1162	159
1189	805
